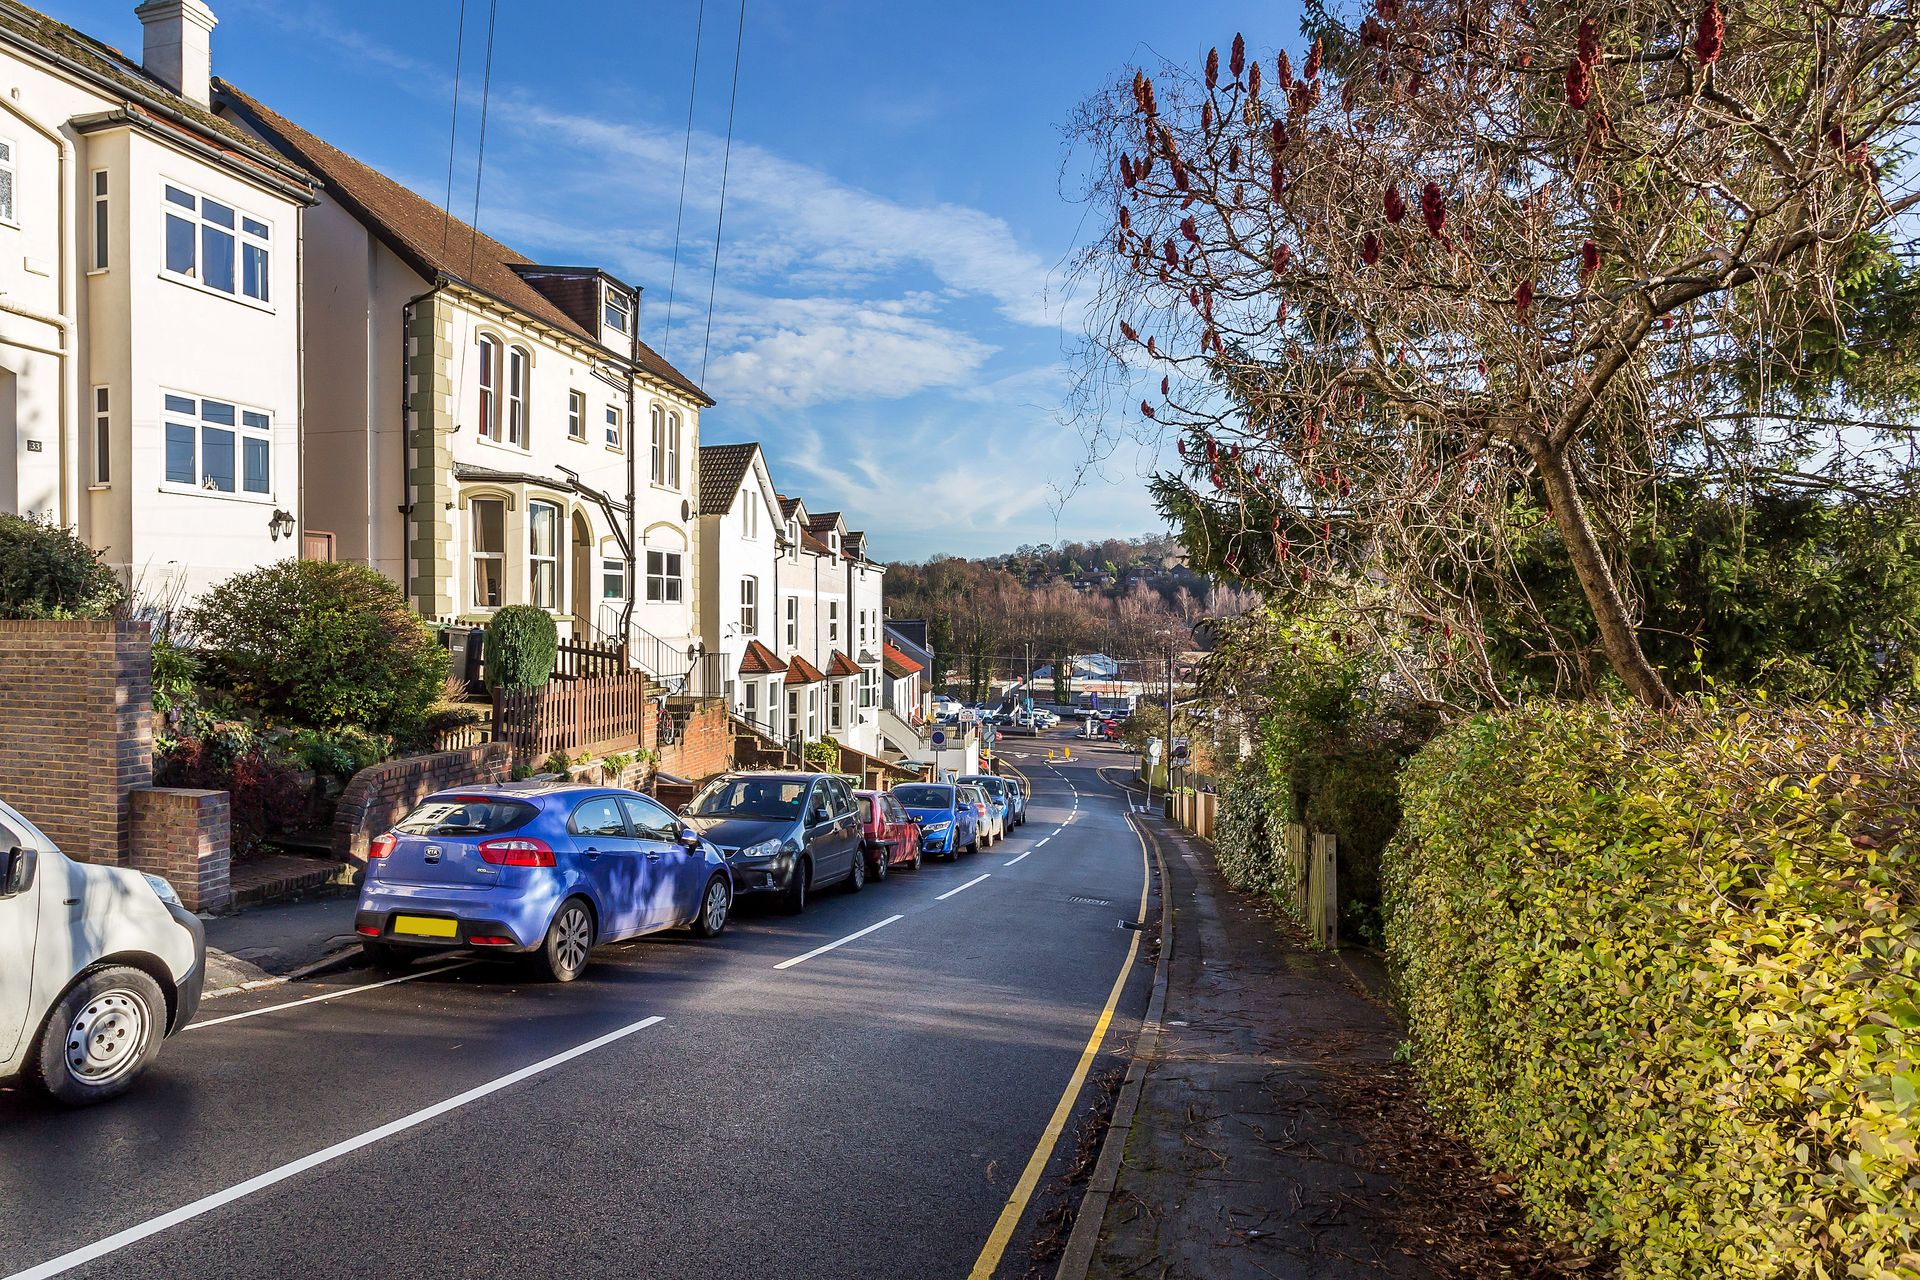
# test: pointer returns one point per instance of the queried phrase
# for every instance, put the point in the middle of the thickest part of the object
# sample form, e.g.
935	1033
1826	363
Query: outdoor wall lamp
281	525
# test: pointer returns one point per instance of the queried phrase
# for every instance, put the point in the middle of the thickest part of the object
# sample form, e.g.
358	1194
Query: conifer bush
521	645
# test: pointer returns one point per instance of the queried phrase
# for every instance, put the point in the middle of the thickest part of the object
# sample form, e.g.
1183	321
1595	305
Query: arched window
517	362
657	464
489	388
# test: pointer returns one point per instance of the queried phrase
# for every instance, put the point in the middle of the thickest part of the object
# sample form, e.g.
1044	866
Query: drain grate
1088	902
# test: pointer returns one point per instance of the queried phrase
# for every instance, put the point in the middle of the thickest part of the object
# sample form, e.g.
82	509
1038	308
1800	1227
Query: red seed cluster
1433	208
1394	204
1237	61
1370	249
1711	35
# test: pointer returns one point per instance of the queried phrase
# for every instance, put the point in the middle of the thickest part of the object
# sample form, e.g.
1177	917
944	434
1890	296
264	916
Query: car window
750	796
599	816
650	819
924	796
842	796
458	815
819	808
866	812
13	837
895	813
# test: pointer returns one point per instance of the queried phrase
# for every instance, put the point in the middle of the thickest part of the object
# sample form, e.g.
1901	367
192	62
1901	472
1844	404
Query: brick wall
182	836
705	747
380	796
76	729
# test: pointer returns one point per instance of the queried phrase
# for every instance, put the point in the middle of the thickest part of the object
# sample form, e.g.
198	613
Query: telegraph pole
1170	645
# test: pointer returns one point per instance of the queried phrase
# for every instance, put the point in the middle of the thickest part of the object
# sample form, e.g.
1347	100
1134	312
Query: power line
726	163
453	131
480	157
686	157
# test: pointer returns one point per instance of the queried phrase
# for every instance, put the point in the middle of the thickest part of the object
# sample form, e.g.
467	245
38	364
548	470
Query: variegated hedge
1665	969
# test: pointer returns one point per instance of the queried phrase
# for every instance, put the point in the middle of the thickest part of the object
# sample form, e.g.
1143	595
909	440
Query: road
688	1108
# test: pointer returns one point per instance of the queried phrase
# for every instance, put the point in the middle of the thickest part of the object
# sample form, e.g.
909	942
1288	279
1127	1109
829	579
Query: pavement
265	946
899	1082
1267	1129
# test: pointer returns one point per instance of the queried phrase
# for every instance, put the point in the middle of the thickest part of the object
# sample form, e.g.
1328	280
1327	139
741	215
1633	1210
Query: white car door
19	926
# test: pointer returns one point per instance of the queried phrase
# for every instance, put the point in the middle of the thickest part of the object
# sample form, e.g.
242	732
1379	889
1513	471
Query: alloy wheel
107	1037
715	913
575	938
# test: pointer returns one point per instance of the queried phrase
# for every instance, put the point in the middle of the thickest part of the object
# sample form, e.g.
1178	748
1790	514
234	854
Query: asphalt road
685	1109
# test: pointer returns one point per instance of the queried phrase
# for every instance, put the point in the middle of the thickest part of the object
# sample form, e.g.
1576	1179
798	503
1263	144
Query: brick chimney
179	46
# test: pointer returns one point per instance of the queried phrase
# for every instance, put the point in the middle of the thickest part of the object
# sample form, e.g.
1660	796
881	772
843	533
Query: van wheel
563	955
100	1036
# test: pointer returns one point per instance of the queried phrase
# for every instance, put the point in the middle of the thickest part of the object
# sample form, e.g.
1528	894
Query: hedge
521	645
1665	970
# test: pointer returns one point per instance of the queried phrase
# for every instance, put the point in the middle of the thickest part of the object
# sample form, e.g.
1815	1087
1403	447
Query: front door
19	927
612	863
679	873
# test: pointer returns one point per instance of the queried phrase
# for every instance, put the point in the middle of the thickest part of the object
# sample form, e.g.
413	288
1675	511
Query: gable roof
759	660
800	671
114	72
823	520
427	238
898	664
722	468
787	506
842	665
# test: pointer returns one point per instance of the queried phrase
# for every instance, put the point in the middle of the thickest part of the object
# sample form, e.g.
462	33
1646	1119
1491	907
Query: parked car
98	965
993	828
783	834
1004	793
888	833
948	824
547	870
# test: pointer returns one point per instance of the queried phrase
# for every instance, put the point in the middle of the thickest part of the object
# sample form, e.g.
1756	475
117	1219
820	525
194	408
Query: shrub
320	645
48	572
266	792
521	645
1666	971
824	754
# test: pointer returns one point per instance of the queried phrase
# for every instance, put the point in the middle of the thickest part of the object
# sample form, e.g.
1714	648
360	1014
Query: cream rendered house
490	430
150	380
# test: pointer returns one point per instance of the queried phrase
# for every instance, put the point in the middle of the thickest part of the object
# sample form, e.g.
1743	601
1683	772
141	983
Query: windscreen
750	797
466	816
922	796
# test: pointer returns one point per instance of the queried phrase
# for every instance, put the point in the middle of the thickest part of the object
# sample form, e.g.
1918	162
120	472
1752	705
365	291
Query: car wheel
857	878
712	916
100	1036
919	856
386	957
974	846
569	942
794	900
880	863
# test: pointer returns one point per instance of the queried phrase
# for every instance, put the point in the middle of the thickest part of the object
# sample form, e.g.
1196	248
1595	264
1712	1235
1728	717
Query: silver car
993	828
98	965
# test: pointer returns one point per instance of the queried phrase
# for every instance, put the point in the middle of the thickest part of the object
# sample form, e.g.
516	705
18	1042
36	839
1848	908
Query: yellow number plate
423	927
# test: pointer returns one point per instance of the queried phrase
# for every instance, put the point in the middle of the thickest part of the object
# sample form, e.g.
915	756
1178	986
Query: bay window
543	555
489	552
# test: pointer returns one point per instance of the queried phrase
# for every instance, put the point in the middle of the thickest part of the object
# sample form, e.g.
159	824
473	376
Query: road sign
1179	750
1153	750
939	737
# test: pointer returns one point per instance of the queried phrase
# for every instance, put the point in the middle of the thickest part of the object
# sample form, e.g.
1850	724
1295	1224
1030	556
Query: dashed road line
968	885
1043	840
1010	863
839	942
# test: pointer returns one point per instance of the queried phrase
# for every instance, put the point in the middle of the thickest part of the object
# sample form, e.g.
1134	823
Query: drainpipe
67	322
406	431
633	483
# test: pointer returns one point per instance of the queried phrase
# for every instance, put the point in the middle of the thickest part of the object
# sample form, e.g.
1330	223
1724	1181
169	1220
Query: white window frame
478	555
656	456
491	350
536	559
98	186
251	425
836	699
617	303
10	165
673	450
833	622
794	724
616	428
750	517
103	438
612	568
750	700
519	383
241	233
749	606
666	584
576	415
793	540
793	623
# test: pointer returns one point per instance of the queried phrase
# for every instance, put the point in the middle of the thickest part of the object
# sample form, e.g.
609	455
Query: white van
97	966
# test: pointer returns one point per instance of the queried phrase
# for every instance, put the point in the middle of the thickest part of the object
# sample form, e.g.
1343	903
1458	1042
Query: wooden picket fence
598	714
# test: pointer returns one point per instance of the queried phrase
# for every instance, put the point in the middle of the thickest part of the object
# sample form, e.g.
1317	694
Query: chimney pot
179	46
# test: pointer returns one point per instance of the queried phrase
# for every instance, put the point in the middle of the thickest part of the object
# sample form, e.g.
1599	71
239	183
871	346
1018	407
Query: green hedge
1666	971
521	645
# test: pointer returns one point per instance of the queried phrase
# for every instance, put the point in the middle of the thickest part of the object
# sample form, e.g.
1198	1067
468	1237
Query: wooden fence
588	660
1312	856
599	714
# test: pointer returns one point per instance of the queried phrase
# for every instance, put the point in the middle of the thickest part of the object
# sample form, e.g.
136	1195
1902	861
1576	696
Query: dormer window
619	311
833	543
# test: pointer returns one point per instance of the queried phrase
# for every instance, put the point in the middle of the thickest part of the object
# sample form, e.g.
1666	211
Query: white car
98	965
993	828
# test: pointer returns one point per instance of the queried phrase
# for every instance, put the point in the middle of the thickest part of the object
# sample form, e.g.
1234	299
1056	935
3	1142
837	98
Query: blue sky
891	317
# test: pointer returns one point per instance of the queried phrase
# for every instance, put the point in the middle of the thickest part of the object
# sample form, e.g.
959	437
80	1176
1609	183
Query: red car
888	833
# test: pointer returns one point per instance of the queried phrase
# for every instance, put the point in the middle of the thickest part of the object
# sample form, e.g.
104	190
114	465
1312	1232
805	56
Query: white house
739	551
489	430
150	378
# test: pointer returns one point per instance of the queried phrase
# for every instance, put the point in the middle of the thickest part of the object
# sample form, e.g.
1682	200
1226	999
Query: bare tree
1477	266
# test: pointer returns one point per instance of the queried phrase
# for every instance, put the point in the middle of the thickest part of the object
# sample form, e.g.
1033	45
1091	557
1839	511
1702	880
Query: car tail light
381	846
519	851
371	930
490	940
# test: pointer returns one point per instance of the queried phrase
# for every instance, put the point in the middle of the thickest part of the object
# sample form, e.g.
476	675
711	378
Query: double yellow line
1016	1206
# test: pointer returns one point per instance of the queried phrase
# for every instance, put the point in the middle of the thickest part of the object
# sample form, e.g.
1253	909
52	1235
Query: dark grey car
783	834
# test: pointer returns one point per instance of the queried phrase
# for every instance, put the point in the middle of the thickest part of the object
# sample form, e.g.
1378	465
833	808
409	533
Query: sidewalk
266	944
1275	1135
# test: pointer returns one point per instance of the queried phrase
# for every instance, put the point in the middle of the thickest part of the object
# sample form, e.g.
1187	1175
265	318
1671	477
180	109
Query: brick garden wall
705	747
76	729
182	836
379	796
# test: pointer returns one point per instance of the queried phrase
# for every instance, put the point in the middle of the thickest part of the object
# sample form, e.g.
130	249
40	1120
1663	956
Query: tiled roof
899	665
759	660
127	75
822	521
800	671
425	236
842	665
787	506
722	468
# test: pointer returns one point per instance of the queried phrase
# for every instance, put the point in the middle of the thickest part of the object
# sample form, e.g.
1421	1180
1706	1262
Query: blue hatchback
549	870
948	823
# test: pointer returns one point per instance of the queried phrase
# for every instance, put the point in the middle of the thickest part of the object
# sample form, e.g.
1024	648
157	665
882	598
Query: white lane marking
1021	856
1042	841
239	1191
331	995
820	951
968	885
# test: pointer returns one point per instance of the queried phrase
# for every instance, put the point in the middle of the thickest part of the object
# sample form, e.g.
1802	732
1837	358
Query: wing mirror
16	871
689	839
